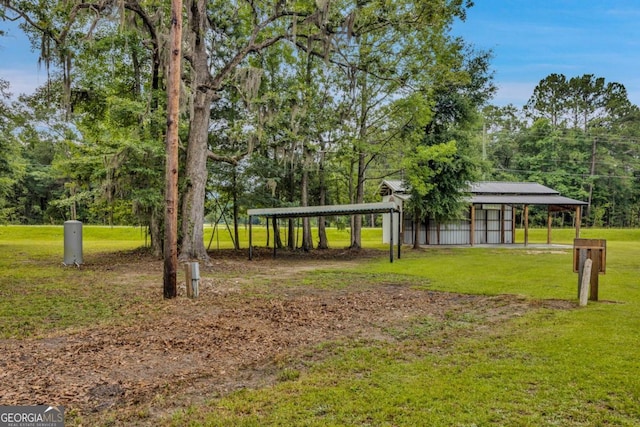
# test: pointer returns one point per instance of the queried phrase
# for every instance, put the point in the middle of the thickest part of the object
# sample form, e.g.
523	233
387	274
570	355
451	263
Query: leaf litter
232	337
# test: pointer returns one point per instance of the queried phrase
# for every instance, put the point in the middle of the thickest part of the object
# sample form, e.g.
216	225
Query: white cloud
23	81
516	93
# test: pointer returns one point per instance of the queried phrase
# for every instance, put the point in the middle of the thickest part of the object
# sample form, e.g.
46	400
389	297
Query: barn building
490	218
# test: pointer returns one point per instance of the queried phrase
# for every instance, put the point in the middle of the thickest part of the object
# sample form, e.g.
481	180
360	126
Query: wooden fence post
584	284
595	269
188	279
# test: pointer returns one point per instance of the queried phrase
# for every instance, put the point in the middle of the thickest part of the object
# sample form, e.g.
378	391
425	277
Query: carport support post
526	225
391	235
400	237
549	220
514	210
472	231
251	238
502	211
274	236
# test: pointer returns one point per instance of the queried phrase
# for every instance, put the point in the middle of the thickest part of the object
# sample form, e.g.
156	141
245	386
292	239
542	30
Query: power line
580	175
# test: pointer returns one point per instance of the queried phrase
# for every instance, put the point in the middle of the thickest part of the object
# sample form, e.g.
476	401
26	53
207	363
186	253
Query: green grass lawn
38	294
547	367
576	367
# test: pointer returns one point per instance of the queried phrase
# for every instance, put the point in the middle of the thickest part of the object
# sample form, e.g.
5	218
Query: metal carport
329	210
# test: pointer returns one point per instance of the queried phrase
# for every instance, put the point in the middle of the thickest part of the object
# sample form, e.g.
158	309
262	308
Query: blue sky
530	39
18	64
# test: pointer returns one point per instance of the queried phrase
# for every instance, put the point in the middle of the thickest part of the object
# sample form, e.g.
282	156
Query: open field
444	336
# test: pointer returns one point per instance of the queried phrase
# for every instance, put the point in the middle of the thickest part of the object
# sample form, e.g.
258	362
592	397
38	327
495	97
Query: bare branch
232	160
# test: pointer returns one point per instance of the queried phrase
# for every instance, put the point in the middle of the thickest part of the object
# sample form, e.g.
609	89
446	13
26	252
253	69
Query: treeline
283	103
578	135
288	104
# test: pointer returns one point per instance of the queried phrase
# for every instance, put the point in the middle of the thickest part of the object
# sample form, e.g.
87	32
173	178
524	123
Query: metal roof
329	210
525	199
396	186
484	187
508	193
515	188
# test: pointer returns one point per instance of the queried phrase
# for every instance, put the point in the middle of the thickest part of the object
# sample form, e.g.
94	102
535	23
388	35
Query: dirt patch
227	339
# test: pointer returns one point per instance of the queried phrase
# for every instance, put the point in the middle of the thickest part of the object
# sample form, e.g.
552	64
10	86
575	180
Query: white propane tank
73	243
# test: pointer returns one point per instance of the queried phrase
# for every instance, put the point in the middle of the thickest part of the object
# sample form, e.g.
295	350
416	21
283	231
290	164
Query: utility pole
171	178
484	143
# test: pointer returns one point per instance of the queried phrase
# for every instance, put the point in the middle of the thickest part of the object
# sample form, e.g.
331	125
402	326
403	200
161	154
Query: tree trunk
291	234
196	180
416	232
307	240
197	149
276	234
171	174
236	243
356	230
322	231
291	241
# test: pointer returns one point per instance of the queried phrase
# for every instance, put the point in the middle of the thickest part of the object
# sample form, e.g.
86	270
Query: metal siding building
490	218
